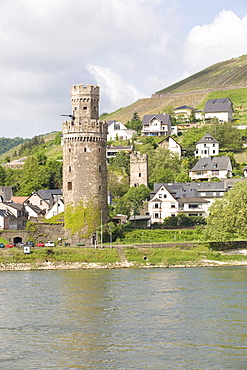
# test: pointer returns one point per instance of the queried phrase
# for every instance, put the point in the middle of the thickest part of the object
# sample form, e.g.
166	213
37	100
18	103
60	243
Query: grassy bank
130	256
138	236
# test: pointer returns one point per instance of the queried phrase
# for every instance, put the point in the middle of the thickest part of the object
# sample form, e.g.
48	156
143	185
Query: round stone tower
84	165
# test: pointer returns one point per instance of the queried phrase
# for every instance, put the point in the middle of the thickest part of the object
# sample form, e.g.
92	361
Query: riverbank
61	258
120	265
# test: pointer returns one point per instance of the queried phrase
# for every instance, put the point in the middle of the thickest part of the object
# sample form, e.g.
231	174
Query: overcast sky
130	48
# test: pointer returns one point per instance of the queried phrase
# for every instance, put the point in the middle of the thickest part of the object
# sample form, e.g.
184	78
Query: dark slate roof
164	118
46	194
207	138
110	122
212	163
139	218
193	200
18	206
35	208
3	213
119	147
218	105
185	107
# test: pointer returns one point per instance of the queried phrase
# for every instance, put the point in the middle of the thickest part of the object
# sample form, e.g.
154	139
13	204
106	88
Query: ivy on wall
82	219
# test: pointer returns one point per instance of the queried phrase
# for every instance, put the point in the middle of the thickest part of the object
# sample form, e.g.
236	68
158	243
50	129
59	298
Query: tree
121	161
2	176
133	200
135	123
163	166
33	177
227	219
57	140
118	183
54	170
227	135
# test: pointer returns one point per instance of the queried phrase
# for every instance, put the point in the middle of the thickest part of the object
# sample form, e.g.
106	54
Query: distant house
117	131
17	215
207	146
36	200
33	211
4	220
56	209
222	109
171	144
184	111
140	221
191	199
156	125
207	168
112	150
44	198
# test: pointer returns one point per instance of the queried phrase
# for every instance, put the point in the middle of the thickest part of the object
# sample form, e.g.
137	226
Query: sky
130	48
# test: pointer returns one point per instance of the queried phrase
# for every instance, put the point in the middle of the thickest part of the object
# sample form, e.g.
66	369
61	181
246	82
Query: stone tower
84	165
138	169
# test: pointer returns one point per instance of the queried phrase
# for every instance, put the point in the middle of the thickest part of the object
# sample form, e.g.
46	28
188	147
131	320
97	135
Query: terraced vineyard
225	79
227	74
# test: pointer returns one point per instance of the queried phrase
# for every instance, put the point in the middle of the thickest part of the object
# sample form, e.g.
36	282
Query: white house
58	207
156	125
117	131
4	220
171	144
207	146
206	168
36	200
191	199
17	215
222	109
33	211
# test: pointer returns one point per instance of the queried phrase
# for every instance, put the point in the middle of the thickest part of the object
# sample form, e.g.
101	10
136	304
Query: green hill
224	79
224	75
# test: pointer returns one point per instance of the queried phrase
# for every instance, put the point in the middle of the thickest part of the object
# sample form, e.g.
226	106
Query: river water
183	318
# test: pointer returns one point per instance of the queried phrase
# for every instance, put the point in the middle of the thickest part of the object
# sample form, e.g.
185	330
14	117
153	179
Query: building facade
84	160
138	169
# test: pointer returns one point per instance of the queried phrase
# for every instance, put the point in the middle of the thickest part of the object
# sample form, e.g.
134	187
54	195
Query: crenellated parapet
84	126
137	157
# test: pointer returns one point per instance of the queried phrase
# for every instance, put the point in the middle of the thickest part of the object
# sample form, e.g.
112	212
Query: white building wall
222	116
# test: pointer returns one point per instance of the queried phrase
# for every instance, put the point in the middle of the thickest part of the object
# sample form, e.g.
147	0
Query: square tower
138	169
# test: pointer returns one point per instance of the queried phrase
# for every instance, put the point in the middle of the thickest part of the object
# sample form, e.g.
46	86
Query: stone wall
37	232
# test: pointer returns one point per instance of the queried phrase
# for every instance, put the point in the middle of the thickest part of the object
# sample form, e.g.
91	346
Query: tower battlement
137	157
79	91
84	126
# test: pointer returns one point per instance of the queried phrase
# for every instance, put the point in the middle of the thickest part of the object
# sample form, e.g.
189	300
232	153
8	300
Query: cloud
114	91
224	38
47	46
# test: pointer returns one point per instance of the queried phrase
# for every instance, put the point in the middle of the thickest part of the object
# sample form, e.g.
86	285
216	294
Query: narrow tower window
69	168
99	168
85	149
69	185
